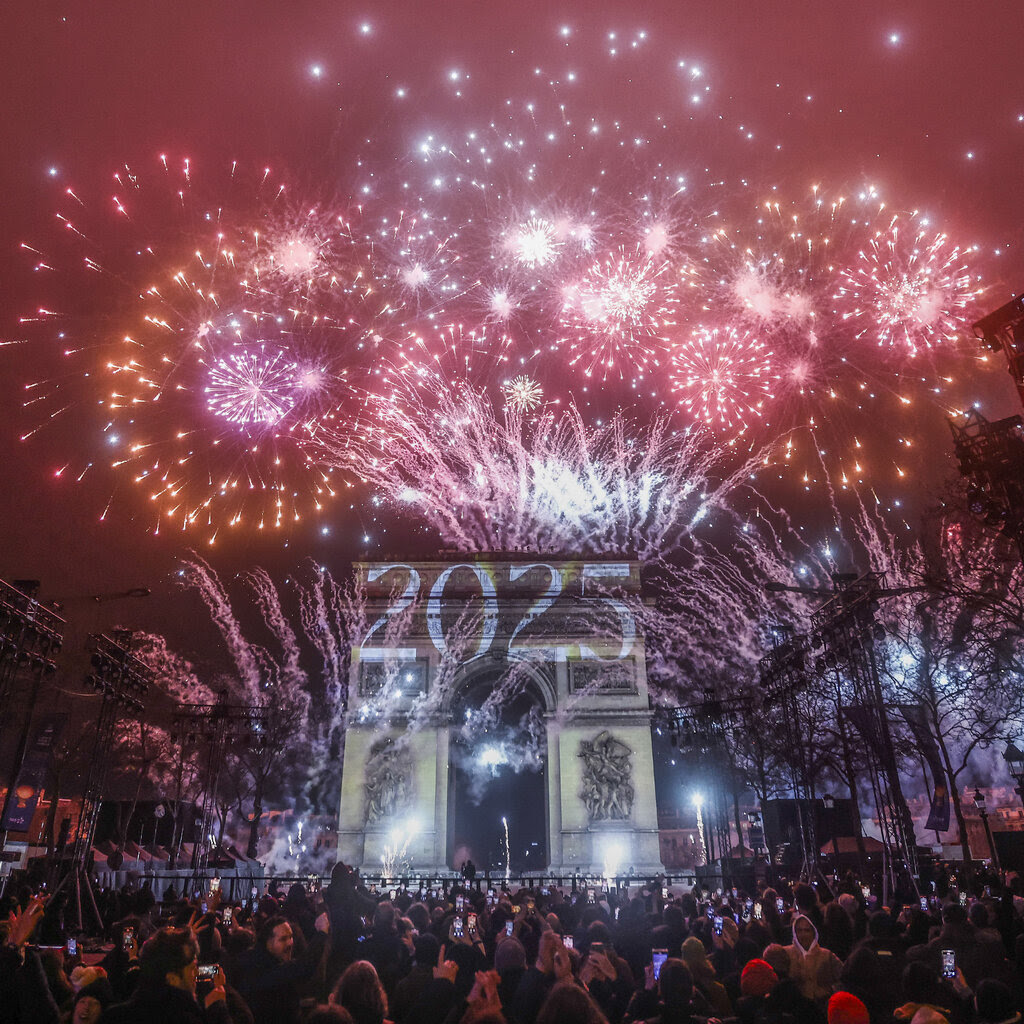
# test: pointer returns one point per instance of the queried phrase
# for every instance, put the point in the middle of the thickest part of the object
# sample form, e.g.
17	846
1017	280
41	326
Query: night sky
924	101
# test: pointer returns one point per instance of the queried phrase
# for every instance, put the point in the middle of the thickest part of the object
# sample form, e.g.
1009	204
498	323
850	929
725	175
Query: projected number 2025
486	578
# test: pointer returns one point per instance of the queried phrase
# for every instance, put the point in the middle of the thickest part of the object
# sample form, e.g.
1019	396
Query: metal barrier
236	888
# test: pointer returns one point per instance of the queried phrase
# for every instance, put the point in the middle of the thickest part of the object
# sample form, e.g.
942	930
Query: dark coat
271	987
165	1005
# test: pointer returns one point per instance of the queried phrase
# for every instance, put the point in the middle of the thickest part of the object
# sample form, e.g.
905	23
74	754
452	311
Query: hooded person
815	970
704	981
785	1000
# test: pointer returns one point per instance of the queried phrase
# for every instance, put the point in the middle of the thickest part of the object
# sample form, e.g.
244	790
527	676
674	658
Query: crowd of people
478	955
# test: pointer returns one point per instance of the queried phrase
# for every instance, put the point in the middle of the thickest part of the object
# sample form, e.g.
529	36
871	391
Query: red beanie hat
758	978
844	1008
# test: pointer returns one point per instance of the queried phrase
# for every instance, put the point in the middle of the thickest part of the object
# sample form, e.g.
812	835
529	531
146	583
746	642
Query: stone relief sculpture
388	779
607	786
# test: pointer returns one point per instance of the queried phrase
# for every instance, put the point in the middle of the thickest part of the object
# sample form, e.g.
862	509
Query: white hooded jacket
815	970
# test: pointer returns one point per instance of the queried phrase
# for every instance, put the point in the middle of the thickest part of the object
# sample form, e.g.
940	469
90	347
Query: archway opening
497	778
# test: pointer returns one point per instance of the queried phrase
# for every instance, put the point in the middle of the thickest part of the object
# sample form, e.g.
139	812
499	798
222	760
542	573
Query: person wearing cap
704	980
845	1008
91	1000
757	981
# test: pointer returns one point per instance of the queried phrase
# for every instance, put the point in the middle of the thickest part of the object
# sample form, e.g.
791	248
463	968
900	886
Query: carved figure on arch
388	781
607	778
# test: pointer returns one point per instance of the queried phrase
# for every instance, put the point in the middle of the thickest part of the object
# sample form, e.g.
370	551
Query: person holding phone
606	975
667	999
167	989
551	966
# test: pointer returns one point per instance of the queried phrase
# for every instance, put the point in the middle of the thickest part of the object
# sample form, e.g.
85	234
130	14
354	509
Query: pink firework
616	316
723	378
909	288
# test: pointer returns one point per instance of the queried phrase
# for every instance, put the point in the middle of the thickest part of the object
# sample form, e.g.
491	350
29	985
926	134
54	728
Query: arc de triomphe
448	647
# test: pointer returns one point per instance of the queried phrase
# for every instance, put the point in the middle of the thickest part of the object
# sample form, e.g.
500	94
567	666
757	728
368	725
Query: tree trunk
254	825
851	783
954	795
222	813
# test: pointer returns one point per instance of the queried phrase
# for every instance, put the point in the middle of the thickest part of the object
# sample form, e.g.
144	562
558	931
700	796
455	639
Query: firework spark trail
490	481
323	607
268	600
201	576
172	673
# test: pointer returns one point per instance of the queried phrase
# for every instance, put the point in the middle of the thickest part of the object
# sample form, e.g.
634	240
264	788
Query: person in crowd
757	981
271	976
814	969
552	965
704	978
844	1008
443	968
90	1001
360	992
409	991
568	1003
167	985
994	1003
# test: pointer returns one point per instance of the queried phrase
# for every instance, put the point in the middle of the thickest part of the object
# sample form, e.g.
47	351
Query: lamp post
828	801
1014	758
979	802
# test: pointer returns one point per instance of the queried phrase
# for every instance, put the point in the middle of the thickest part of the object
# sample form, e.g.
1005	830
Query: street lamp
828	801
1014	758
979	802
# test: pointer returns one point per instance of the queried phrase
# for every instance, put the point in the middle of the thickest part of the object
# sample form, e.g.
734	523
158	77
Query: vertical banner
23	796
917	718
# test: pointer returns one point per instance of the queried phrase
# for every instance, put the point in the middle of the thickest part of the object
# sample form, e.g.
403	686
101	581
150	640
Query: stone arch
540	682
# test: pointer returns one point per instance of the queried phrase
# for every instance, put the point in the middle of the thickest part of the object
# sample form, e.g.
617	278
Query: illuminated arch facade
563	632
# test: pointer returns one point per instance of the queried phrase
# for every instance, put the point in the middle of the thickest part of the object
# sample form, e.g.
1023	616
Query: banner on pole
23	796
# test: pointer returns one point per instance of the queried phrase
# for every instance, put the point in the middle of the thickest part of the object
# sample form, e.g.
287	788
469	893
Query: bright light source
492	757
697	800
614	853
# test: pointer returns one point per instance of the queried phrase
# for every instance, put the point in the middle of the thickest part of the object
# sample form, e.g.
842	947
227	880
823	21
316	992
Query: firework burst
618	313
723	378
909	289
548	255
522	393
252	388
